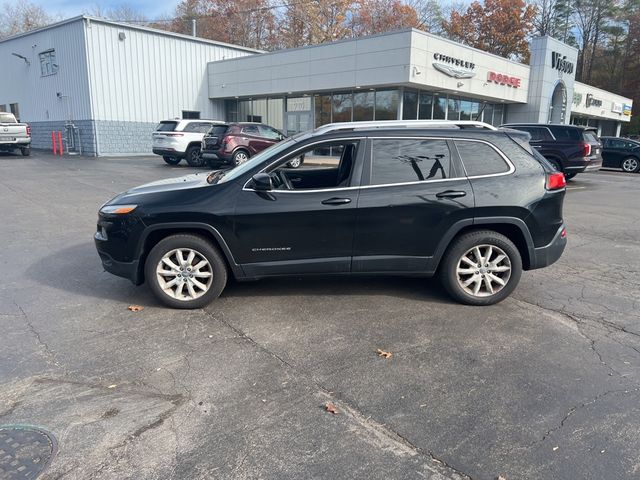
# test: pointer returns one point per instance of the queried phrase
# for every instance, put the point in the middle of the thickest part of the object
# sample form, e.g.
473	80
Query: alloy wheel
240	158
184	274
483	270
295	163
630	165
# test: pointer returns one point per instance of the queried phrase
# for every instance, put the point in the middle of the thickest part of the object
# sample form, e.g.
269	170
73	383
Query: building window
275	113
231	110
48	64
363	103
498	112
3	108
387	105
410	105
440	108
487	113
190	114
15	110
323	109
425	108
342	106
453	112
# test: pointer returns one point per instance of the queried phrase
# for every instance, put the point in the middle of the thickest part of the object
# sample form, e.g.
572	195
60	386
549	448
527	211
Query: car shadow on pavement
77	270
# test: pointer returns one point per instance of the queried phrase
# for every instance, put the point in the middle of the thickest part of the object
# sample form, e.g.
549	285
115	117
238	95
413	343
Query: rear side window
590	136
268	132
564	133
197	127
7	118
166	126
480	159
401	160
251	130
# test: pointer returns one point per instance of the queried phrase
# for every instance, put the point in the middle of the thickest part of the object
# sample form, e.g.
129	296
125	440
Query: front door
305	224
411	194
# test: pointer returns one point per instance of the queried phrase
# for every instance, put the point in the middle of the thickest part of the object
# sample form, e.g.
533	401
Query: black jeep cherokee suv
572	149
463	200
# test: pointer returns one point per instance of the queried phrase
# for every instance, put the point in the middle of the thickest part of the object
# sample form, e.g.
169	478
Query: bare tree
22	16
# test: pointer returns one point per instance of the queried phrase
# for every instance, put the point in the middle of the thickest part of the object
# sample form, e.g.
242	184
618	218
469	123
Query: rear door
252	139
413	192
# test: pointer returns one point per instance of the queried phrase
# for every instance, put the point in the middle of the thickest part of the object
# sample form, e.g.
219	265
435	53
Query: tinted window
480	159
268	132
590	136
251	130
563	133
197	127
409	160
218	130
166	126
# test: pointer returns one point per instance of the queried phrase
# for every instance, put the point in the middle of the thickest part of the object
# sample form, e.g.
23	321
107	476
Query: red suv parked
235	142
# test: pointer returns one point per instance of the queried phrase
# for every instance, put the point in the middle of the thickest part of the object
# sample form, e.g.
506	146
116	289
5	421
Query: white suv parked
179	138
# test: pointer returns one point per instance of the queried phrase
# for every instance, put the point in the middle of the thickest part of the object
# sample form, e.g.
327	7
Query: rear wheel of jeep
185	271
481	268
26	151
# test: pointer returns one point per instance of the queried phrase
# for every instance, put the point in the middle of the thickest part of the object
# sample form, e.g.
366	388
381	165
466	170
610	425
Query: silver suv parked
179	138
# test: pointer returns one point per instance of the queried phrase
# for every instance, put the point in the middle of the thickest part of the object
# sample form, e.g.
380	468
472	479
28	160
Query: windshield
255	161
7	118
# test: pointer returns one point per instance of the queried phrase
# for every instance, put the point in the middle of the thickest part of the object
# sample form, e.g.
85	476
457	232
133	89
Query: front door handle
451	194
336	201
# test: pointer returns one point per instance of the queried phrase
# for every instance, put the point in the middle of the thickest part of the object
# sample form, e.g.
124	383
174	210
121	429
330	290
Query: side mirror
262	182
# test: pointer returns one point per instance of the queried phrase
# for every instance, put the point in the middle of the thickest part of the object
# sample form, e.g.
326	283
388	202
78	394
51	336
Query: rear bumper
549	254
21	143
168	152
583	165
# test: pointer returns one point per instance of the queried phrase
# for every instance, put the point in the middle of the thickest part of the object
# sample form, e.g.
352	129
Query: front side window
48	64
402	160
480	158
321	166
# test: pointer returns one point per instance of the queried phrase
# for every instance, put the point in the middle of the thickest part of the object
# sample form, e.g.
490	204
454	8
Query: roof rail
461	124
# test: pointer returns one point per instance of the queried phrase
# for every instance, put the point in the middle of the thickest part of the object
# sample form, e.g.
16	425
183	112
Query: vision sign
560	63
503	79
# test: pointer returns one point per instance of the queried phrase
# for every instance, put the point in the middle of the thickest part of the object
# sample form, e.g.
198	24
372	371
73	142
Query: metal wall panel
36	94
147	76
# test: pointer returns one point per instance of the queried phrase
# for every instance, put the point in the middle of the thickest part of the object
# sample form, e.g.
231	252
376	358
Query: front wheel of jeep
185	271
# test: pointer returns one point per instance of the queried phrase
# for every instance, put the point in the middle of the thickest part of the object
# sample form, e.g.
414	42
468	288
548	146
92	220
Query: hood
194	180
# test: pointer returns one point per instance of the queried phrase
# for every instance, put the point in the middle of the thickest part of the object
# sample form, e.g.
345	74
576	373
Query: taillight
28	131
563	233
556	181
586	149
225	140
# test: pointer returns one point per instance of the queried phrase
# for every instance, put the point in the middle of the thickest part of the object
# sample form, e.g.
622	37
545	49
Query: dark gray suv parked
570	148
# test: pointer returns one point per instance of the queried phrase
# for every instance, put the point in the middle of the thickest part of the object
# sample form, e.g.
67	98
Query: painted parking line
576	188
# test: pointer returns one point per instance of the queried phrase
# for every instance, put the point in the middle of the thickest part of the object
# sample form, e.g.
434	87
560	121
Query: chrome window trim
512	168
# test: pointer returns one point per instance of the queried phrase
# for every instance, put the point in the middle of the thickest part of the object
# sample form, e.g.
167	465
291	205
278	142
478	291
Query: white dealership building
108	84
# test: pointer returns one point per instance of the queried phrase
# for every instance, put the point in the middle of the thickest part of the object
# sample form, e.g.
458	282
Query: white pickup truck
14	135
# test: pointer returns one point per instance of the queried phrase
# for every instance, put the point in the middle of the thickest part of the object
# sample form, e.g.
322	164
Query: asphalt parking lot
542	386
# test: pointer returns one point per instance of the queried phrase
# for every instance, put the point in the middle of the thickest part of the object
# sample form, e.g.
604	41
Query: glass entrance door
298	122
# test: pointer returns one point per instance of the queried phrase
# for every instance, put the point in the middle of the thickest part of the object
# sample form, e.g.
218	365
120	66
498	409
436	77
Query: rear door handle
336	201
451	194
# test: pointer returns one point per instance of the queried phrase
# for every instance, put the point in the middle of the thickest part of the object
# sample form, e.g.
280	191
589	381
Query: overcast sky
70	8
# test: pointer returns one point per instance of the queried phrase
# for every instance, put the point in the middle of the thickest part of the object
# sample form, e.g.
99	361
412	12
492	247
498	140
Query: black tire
26	151
569	176
171	160
205	249
194	156
239	157
630	165
460	247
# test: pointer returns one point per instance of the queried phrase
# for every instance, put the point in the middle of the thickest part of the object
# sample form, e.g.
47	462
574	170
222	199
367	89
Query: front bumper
549	254
128	270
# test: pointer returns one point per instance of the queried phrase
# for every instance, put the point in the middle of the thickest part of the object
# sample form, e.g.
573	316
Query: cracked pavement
544	385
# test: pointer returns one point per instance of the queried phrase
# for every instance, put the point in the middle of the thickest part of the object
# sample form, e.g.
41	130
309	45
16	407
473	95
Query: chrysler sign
454	67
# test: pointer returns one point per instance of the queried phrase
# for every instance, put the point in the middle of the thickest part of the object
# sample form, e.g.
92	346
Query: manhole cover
25	452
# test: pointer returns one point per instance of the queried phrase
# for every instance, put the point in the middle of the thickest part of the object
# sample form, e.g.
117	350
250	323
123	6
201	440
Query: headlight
118	209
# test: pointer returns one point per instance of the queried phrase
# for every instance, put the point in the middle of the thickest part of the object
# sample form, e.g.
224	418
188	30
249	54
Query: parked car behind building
177	139
570	148
621	153
235	143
